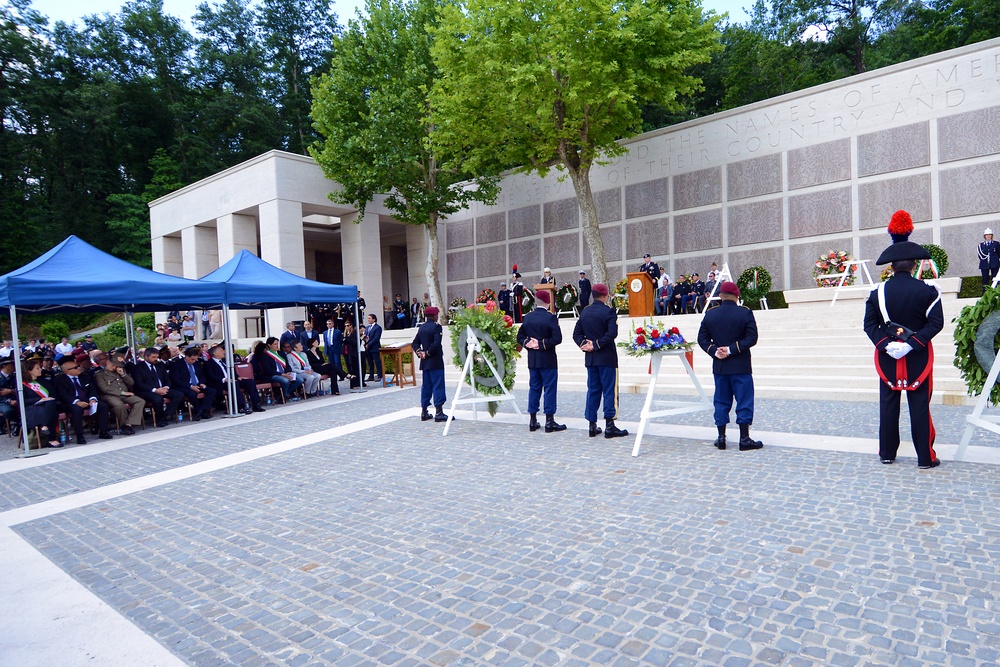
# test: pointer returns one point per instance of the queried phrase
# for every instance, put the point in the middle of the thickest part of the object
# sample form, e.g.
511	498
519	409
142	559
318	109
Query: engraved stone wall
652	236
971	190
491	228
491	261
698	231
459	234
523	222
803	256
697	188
894	149
460	265
647	198
757	176
878	200
828	162
819	213
612	237
465	290
562	250
527	255
757	222
700	264
960	242
609	205
771	259
969	134
562	214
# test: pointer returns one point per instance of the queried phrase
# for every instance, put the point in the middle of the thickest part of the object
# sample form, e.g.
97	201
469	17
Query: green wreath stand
977	339
754	284
475	347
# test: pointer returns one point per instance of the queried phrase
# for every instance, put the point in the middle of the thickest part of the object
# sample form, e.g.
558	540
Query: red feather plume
901	223
514	269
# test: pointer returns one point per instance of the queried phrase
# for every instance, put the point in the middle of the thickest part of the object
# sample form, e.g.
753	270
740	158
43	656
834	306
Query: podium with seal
641	294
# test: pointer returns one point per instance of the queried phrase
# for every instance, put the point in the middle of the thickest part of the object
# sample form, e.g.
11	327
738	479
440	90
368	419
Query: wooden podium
641	294
551	289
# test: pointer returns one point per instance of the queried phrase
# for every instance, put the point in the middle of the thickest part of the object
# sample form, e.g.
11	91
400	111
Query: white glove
898	350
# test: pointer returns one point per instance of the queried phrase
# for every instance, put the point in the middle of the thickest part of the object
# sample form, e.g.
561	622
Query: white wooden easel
704	404
472	346
859	269
721	276
976	419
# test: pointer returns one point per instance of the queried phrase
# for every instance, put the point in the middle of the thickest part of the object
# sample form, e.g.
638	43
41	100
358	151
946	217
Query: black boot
746	442
720	442
595	430
533	424
612	431
425	416
439	415
551	426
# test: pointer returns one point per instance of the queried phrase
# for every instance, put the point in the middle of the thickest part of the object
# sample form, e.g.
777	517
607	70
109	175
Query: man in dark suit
681	291
697	294
9	408
651	268
75	396
584	284
727	333
901	317
289	335
333	343
503	300
308	335
427	346
187	377
539	335
152	383
595	334
217	376
373	345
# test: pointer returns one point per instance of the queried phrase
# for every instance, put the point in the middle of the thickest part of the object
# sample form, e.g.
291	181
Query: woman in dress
319	363
40	403
351	353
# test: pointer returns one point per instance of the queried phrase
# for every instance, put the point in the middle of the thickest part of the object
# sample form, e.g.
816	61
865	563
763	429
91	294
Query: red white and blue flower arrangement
654	337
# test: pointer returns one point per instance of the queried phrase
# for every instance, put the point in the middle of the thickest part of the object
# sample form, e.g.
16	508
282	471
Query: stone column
235	233
282	244
416	258
167	255
200	251
361	248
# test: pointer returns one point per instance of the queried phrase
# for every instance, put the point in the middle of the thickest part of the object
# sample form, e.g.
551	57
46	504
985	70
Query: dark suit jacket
584	290
265	368
652	269
333	343
214	375
307	337
180	378
288	337
66	393
374	339
145	379
598	323
729	325
428	339
544	326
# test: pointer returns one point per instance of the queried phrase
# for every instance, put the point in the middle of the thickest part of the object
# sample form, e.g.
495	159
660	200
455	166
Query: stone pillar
361	248
167	255
416	259
235	233
282	244
200	251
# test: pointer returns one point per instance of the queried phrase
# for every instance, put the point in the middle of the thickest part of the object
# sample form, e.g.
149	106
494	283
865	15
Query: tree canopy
557	83
372	109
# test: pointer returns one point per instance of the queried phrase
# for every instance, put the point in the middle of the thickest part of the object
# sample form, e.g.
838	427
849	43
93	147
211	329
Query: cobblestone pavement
494	546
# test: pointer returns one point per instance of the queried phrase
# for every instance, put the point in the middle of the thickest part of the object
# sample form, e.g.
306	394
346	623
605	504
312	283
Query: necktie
79	389
156	376
194	376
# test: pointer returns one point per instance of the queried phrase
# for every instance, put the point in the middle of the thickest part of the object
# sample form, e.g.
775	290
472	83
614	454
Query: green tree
373	112
556	83
297	35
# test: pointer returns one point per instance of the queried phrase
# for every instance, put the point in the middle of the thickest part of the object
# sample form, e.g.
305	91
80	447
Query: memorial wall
772	184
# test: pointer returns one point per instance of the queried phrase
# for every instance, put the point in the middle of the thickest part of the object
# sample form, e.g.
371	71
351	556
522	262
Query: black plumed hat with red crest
900	228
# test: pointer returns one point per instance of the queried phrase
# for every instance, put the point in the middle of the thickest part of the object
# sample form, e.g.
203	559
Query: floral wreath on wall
486	295
566	297
498	338
831	264
938	255
458	303
620	303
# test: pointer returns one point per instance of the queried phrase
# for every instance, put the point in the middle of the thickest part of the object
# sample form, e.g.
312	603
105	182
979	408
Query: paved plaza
344	531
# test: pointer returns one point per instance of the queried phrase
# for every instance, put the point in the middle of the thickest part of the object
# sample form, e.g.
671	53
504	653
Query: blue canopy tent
250	282
76	276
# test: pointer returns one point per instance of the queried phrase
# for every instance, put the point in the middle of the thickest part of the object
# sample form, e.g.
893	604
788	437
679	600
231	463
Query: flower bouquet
654	337
486	295
458	303
832	264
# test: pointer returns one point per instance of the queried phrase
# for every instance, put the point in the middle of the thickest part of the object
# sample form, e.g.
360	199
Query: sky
72	10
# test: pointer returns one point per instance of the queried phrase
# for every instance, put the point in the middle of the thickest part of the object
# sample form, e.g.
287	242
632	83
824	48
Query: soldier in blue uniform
651	268
584	284
595	334
503	300
988	253
539	335
901	317
727	333
427	346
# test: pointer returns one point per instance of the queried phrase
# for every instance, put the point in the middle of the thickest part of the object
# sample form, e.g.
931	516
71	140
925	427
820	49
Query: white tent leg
18	393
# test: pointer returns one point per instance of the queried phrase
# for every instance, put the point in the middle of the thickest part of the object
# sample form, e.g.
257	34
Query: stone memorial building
772	184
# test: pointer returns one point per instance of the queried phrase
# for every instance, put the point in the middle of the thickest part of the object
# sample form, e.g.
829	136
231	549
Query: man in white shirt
63	348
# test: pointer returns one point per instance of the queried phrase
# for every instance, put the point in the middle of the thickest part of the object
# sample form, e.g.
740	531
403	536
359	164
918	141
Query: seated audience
114	387
152	384
76	396
187	377
217	377
39	404
269	365
299	364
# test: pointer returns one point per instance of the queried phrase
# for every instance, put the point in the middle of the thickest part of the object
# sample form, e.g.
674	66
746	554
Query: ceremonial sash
278	360
37	388
302	361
